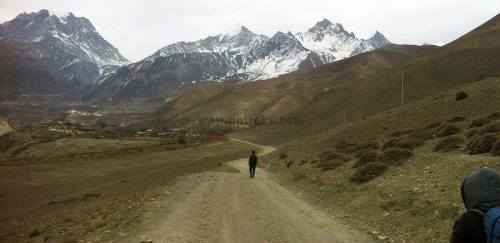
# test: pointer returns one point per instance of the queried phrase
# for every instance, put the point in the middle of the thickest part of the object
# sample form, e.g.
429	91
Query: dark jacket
480	192
252	161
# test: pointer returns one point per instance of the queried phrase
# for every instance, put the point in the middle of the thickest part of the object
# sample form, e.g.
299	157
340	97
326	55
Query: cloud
139	28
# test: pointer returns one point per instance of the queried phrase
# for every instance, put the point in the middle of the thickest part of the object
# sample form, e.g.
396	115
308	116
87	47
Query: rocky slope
235	56
68	43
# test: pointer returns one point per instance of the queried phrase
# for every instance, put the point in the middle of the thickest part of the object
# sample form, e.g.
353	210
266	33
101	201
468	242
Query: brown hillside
468	59
278	97
22	75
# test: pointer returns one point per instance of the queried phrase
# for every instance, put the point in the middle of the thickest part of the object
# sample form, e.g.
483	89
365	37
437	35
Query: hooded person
480	192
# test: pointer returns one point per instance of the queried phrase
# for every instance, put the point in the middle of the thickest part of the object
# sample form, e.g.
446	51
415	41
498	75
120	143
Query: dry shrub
472	132
481	144
303	162
400	133
494	116
368	145
405	142
345	145
368	172
495	148
290	163
330	165
449	143
331	155
479	122
490	128
282	155
461	95
456	119
424	134
390	142
447	130
365	158
433	125
394	155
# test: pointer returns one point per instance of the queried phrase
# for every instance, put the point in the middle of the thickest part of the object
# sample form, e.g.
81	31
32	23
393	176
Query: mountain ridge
241	55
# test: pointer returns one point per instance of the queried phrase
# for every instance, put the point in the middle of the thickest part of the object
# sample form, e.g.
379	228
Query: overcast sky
140	27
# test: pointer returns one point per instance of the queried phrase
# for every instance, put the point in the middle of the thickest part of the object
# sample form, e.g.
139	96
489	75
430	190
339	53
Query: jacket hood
481	189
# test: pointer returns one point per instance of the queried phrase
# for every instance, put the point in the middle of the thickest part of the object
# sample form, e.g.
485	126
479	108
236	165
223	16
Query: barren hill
280	96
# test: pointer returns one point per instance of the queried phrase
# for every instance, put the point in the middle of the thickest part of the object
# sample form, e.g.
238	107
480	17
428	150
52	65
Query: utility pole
402	88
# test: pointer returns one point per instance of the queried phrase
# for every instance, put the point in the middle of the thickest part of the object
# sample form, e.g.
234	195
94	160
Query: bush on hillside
449	143
433	125
479	122
456	119
461	95
330	165
481	144
495	148
494	116
424	134
282	155
365	158
303	162
181	140
405	142
371	144
331	155
390	142
394	155
289	163
401	133
346	146
368	172
490	128
447	130
472	132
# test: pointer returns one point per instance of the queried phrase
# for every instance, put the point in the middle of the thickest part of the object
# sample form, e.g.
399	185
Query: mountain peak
378	40
324	23
235	30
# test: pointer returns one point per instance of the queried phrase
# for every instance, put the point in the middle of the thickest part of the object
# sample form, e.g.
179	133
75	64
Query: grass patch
449	143
368	172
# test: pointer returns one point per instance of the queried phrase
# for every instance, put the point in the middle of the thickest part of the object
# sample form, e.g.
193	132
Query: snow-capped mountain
235	56
69	43
332	42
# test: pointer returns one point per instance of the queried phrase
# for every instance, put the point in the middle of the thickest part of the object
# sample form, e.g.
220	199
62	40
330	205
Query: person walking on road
252	163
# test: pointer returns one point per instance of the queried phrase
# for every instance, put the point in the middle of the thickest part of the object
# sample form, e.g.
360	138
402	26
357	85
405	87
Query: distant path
230	207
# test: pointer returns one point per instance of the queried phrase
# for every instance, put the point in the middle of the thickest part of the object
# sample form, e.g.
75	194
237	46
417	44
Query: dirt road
228	206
